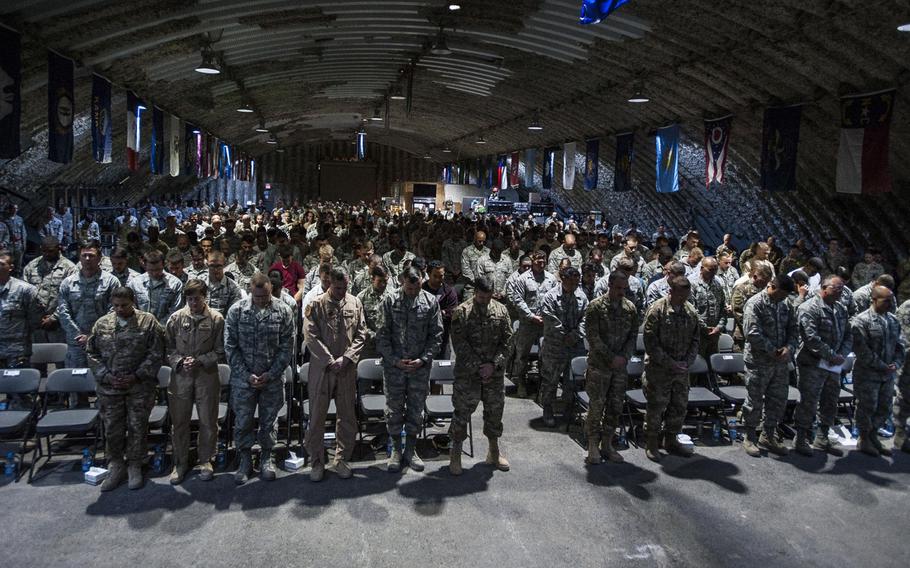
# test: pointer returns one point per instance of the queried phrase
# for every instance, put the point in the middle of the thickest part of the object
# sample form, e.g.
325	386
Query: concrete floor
719	508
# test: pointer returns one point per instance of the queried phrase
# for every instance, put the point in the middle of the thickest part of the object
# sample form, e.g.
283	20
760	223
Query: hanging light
279	150
261	127
397	95
454	7
272	140
377	115
427	156
208	66
535	122
481	140
903	28
245	107
440	47
196	131
639	97
447	150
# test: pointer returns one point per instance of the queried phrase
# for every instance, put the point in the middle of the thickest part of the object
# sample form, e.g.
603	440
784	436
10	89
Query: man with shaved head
880	352
710	302
46	273
470	259
567	250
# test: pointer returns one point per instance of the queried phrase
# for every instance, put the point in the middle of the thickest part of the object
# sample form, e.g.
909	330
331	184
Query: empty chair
580	399
701	397
728	365
159	416
48	353
725	343
74	422
370	405
439	407
15	424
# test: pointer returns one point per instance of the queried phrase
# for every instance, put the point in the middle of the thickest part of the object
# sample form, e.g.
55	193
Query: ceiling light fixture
481	140
197	131
440	47
377	115
279	150
639	96
245	107
447	150
454	7
397	95
535	122
261	127
427	156
208	66
904	28
272	140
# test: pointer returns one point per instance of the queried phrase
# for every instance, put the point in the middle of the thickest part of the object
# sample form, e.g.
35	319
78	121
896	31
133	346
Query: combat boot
593	451
824	443
134	471
900	439
394	464
342	469
267	465
769	441
455	458
206	472
115	476
410	454
876	441
607	449
865	445
749	444
548	419
317	472
652	447
178	475
245	469
672	445
494	456
522	389
801	444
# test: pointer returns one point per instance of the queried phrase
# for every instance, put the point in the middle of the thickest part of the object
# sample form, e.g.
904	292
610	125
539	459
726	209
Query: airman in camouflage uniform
411	332
481	330
84	297
242	269
470	258
526	294
825	338
758	279
258	341
710	302
902	395
394	259
157	292
565	251
862	298
611	326
563	310
46	273
372	299
20	313
671	335
728	275
223	292
496	267
880	353
772	335
125	352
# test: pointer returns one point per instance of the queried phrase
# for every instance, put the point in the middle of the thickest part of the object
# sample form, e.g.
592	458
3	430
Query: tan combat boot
134	471
876	441
593	457
652	447
824	443
394	464
206	472
749	445
672	445
455	458
801	444
116	475
495	457
769	442
178	475
607	449
865	445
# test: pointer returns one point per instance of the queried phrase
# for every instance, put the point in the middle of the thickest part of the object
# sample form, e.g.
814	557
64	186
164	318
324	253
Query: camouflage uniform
768	326
865	273
498	271
333	329
710	302
728	278
411	329
612	330
636	259
20	313
741	294
671	334
902	396
257	341
824	332
657	290
116	348
563	337
526	294
635	292
877	343
480	334
160	298
470	259
124	277
222	295
451	255
559	253
394	262
202	338
372	311
862	300
82	301
47	278
242	274
360	277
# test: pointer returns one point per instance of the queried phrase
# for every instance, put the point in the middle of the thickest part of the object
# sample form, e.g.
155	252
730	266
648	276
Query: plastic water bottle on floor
86	460
221	456
404	438
732	429
715	434
623	443
158	460
9	469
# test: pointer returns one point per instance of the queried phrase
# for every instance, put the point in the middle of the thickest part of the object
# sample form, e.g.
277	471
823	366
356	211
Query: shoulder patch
308	310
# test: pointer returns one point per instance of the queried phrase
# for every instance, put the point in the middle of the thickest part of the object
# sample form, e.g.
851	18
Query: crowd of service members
338	283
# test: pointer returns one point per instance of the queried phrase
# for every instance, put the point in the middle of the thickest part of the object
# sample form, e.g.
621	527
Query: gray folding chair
635	398
370	405
16	424
727	365
439	407
725	343
576	382
158	418
701	398
75	423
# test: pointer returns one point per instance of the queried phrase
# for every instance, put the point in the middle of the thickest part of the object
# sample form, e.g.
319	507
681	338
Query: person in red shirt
292	274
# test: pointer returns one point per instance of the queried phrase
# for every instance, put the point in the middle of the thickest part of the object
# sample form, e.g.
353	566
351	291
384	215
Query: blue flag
592	152
101	120
667	141
622	173
780	140
10	83
593	11
60	108
361	145
549	157
158	148
530	166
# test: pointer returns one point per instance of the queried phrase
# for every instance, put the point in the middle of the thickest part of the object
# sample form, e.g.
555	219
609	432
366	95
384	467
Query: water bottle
404	437
3	405
731	428
86	460
221	456
715	434
623	443
854	432
10	468
158	460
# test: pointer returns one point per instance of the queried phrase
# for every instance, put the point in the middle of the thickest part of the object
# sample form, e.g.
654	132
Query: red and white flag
862	160
717	140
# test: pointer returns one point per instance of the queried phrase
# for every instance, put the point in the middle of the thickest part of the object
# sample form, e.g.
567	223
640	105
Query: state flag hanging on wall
502	173
667	149
568	166
190	162
549	157
60	108
717	139
133	130
780	142
175	144
862	159
592	161
594	11
530	166
101	120
158	148
514	179
10	92
622	173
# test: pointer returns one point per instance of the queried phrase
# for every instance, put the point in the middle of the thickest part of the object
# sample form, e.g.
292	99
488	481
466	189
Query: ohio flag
717	139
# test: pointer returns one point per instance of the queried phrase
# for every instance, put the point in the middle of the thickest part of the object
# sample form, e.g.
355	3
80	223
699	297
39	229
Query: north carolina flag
717	139
667	141
133	129
862	160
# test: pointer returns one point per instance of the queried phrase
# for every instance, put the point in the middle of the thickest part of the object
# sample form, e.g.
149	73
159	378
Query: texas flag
862	160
